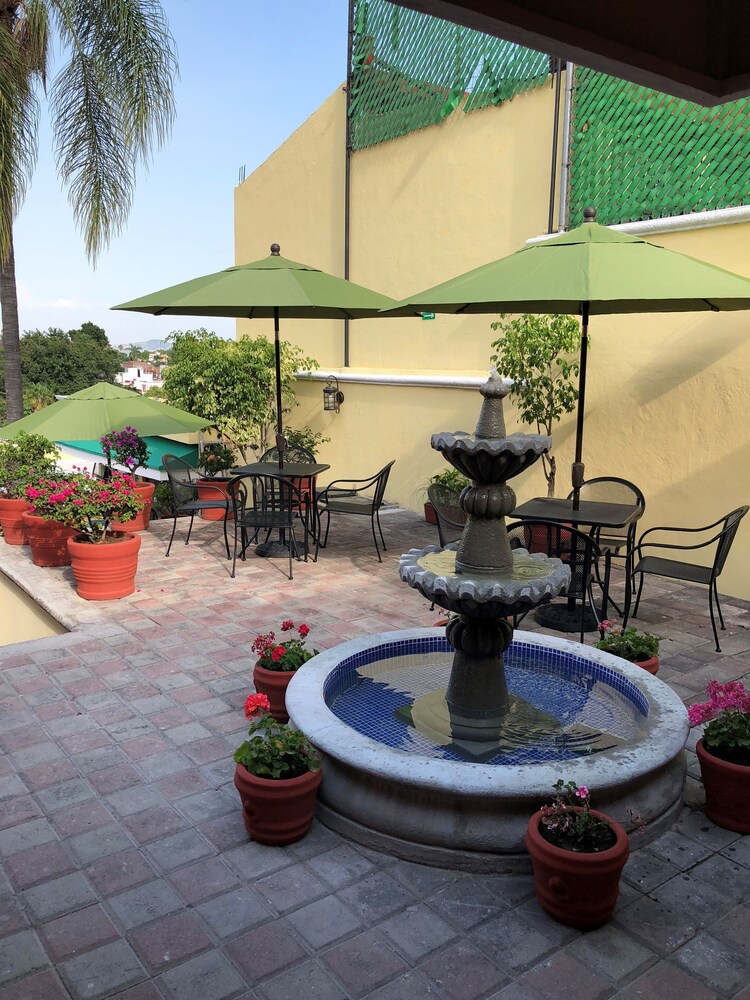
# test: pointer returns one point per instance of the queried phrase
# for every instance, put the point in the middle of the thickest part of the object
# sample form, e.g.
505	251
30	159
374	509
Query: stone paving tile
265	950
203	880
38	864
170	940
363	963
323	922
308	981
376	896
233	912
722	967
144	903
289	888
19	954
112	875
207	977
666	982
102	972
461	972
39	986
62	895
77	932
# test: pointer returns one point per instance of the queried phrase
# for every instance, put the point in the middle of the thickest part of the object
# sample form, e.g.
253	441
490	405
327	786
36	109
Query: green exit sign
428	315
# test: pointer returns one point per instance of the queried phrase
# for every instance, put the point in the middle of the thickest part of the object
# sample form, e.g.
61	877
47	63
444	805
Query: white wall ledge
675	223
386	378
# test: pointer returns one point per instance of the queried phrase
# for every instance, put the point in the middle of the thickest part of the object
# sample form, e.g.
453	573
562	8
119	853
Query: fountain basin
473	815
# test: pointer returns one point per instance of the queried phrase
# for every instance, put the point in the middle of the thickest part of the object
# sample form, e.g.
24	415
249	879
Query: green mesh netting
638	154
410	70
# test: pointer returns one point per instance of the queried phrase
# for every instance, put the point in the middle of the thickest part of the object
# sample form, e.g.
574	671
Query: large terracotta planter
429	513
277	811
579	890
206	494
652	665
11	521
273	684
48	540
106	571
727	791
141	520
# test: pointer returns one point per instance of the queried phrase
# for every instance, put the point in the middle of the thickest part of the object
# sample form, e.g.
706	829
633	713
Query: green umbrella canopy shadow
591	270
89	413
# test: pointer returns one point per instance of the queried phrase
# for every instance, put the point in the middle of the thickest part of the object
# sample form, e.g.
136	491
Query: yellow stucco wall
667	396
21	619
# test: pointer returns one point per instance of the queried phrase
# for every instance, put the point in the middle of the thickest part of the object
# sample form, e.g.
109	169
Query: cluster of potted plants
23	458
277	663
129	450
70	521
640	648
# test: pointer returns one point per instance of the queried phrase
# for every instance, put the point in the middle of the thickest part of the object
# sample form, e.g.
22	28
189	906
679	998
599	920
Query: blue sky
251	71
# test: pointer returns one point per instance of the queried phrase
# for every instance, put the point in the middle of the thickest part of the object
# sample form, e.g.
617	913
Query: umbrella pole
577	469
279	420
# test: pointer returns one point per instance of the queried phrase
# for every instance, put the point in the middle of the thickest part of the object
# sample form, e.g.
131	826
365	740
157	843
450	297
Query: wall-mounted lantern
332	396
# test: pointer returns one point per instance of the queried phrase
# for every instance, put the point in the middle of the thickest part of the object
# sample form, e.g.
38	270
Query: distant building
140	375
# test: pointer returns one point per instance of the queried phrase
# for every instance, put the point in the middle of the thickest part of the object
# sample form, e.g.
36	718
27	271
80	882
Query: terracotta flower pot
652	664
48	540
579	890
429	513
106	571
142	519
206	494
277	811
11	521
727	790
273	684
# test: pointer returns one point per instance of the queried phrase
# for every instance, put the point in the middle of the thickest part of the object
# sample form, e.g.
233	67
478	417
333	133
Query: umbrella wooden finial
589	214
275	250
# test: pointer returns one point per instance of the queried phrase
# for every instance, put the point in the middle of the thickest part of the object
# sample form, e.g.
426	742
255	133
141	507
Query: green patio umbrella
88	414
266	289
588	271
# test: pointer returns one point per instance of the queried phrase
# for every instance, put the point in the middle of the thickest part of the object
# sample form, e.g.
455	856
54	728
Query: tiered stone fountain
439	747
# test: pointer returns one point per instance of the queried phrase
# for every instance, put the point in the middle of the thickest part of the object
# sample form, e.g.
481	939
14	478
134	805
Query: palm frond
111	105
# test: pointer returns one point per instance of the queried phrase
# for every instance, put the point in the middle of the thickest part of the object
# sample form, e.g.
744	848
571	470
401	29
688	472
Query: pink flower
286	625
582	792
78	503
255	705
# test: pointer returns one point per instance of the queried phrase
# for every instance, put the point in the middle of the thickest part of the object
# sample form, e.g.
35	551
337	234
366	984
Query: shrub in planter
277	777
277	663
724	753
129	449
640	648
215	459
21	459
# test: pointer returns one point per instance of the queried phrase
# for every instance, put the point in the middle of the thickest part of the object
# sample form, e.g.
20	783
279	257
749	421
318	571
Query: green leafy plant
84	503
126	447
534	352
568	822
273	750
163	502
287	654
628	642
215	459
451	478
22	459
727	714
305	437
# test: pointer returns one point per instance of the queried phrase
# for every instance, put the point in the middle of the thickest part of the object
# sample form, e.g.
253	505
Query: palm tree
111	104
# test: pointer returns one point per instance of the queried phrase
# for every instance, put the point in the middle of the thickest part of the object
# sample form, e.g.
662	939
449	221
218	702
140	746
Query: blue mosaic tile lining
569	687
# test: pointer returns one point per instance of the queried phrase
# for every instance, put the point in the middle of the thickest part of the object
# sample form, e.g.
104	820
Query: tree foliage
233	384
539	354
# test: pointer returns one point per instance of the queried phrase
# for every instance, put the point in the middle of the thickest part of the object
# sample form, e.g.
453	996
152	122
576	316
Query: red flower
278	652
288	624
303	630
255	705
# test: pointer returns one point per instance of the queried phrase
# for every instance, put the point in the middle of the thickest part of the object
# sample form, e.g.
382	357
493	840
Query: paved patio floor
127	871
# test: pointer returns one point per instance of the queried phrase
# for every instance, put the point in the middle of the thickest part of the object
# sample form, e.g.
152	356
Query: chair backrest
561	541
259	496
292	453
450	517
612	489
181	477
381	481
726	537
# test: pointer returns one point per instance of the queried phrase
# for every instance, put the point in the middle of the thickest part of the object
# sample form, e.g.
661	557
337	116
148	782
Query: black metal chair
183	483
292	453
619	543
578	549
353	499
675	569
450	517
268	503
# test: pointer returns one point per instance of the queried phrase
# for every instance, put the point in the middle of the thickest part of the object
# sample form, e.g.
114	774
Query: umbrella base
272	548
562	618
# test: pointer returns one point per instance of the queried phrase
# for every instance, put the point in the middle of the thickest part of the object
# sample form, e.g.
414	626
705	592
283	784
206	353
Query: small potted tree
640	648
215	462
724	753
277	663
129	450
21	460
578	855
277	776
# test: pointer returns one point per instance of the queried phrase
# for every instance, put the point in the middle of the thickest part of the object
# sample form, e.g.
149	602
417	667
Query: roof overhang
695	49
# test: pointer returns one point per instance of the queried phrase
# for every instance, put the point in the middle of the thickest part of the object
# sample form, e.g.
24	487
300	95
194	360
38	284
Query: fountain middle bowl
429	808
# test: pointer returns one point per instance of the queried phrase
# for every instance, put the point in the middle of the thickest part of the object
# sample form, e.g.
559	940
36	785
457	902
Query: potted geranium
277	662
46	526
640	648
578	855
21	459
129	450
104	562
277	775
214	460
724	753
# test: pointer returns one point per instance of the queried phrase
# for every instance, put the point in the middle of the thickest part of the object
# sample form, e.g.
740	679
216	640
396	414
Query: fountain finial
491	423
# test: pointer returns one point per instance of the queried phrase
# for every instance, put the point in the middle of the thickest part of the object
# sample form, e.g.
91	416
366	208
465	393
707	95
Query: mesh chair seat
269	503
690	572
349	496
347	504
